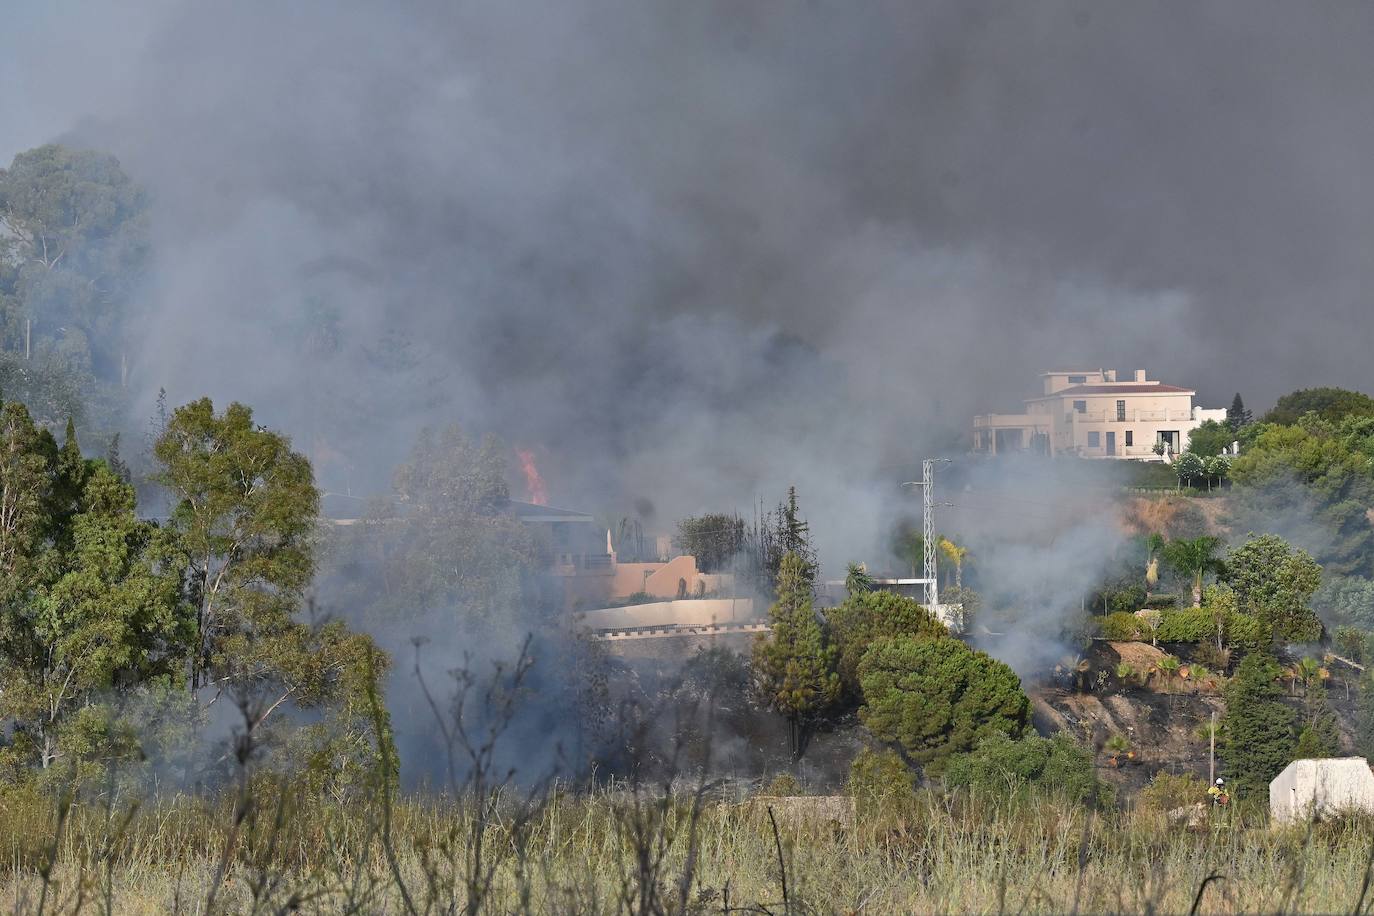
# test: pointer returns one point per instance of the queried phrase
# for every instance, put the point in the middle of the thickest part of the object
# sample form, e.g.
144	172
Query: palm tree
1309	671
956	556
857	580
1117	747
1076	668
1167	668
1153	544
1194	557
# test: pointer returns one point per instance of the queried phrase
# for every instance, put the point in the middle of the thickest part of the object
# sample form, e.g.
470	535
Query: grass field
615	851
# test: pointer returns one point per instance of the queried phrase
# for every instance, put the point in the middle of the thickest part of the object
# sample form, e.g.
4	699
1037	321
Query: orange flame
535	488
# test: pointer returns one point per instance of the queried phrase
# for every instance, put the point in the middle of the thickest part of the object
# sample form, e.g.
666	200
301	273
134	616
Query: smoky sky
693	252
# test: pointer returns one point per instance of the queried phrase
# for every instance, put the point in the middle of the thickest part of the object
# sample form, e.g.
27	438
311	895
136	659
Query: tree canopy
938	697
1210	439
794	664
1327	403
1257	729
1317	480
863	618
73	250
714	539
1274	582
445	540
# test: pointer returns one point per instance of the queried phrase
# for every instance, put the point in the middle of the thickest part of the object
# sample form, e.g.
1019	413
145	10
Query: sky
690	253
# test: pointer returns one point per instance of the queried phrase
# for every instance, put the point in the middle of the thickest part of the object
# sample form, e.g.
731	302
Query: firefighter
1219	794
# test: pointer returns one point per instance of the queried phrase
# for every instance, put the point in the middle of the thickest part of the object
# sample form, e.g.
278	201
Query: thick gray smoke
692	252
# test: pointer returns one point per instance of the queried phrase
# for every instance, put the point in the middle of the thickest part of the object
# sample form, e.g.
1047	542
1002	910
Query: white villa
1091	414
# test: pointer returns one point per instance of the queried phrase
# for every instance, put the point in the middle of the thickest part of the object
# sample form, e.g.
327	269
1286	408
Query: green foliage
1209	439
460	547
1187	625
794	664
1001	765
938	697
1237	417
1320	736
1327	403
1346	600
857	581
1120	595
781	532
1317	473
1194	558
1188	468
1159	602
1122	626
714	539
1216	469
88	592
1364	717
868	616
1274	583
880	782
244	513
74	250
1352	643
1257	728
1166	792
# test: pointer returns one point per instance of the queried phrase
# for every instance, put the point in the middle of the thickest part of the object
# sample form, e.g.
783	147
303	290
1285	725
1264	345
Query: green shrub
880	781
1122	626
999	764
1127	596
1167	792
1160	602
1188	625
1246	633
1351	642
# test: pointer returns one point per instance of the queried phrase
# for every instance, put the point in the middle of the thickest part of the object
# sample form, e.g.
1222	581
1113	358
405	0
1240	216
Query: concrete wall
657	579
1308	788
663	613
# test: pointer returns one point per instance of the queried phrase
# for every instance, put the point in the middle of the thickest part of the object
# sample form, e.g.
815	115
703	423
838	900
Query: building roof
1118	388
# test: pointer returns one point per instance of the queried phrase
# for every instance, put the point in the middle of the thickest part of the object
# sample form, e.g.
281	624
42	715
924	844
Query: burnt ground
750	745
1162	722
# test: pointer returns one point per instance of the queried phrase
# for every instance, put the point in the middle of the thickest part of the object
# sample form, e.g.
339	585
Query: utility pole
928	533
1212	752
929	570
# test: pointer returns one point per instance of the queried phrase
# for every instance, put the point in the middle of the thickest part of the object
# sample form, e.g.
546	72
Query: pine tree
794	536
1237	416
1257	727
795	665
1320	735
1364	720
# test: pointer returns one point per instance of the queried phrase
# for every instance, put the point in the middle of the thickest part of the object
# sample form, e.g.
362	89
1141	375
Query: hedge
1123	626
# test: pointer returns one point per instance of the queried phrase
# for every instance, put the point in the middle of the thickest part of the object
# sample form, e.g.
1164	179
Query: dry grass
588	853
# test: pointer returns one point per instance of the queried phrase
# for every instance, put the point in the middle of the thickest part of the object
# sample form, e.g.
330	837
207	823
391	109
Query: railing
1132	416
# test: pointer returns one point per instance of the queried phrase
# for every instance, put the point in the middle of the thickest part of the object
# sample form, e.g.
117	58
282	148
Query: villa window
1080	406
1130	438
1078	379
1121	411
1094	440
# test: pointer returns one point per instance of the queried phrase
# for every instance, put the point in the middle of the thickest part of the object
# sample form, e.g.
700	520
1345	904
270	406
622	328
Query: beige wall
584	589
662	613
